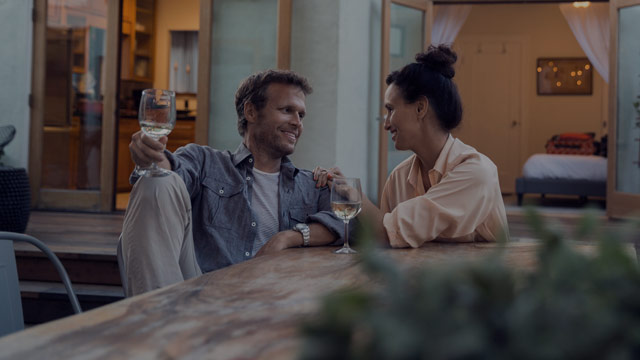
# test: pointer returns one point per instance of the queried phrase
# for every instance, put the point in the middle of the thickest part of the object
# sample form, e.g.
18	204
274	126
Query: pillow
572	143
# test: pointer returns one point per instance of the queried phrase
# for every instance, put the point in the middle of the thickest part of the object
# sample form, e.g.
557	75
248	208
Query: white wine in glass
346	202
157	117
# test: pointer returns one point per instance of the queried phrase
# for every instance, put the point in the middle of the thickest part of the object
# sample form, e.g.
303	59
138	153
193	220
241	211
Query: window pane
237	51
75	50
628	120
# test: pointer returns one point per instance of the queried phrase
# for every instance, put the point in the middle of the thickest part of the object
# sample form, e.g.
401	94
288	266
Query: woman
446	190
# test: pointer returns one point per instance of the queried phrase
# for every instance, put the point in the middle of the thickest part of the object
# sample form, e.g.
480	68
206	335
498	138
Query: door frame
86	200
283	59
427	7
619	204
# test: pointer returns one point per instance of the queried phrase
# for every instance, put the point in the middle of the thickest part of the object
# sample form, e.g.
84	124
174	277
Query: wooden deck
95	236
75	233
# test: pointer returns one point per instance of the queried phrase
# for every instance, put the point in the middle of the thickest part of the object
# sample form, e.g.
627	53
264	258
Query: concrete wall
15	77
547	34
171	15
330	46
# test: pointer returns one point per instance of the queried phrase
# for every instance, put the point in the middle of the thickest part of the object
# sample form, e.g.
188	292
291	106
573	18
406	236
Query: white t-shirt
264	203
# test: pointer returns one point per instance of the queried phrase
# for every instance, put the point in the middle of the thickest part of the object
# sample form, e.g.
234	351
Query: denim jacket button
221	191
247	254
253	224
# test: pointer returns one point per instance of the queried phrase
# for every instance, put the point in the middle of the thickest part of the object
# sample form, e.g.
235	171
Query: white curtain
447	22
590	26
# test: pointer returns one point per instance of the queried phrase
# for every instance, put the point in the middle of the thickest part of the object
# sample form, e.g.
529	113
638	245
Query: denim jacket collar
242	153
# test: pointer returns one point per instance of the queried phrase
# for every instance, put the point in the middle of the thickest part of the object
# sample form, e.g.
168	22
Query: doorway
158	50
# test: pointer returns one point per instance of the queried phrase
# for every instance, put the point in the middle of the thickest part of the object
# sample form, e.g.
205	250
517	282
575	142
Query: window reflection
74	88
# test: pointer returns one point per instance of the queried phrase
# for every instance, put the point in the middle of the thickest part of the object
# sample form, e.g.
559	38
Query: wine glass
346	202
157	117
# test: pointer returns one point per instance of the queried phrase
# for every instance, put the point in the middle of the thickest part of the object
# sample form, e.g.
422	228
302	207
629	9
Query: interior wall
547	34
15	77
171	15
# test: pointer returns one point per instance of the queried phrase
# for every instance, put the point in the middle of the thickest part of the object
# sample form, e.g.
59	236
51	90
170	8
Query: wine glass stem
346	234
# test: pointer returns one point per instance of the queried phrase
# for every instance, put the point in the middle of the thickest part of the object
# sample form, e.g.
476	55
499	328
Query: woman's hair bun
439	58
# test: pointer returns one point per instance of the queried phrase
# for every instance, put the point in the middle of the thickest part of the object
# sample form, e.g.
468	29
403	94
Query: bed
558	174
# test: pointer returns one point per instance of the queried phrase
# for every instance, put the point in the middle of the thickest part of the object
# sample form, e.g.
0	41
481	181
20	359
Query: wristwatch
303	229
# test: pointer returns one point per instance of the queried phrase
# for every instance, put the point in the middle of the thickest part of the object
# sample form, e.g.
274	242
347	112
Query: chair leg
520	196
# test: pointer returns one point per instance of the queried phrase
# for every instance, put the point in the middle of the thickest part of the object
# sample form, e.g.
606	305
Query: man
221	207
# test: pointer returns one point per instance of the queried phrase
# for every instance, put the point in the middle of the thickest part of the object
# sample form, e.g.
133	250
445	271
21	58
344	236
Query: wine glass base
159	172
345	250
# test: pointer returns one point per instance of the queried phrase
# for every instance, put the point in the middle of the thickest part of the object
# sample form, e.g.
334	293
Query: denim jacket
220	185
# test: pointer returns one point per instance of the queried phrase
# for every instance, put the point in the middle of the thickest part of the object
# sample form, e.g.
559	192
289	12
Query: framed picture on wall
564	76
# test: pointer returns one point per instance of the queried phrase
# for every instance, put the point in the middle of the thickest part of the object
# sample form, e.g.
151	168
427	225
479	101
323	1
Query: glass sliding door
230	51
623	187
406	31
71	91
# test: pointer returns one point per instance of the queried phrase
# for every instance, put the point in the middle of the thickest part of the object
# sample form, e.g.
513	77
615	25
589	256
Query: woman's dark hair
431	76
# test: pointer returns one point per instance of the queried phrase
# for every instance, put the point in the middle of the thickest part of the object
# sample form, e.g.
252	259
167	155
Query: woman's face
402	119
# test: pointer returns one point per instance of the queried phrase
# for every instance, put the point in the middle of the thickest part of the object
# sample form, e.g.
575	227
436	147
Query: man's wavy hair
254	90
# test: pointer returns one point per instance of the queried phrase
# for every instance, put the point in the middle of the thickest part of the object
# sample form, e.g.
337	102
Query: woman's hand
324	177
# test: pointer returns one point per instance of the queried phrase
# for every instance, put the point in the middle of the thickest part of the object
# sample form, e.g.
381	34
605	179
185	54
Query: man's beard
272	143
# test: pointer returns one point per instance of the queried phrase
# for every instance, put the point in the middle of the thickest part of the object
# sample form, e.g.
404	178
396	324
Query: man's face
279	123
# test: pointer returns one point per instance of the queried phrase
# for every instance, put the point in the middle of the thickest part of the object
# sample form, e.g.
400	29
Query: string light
581	4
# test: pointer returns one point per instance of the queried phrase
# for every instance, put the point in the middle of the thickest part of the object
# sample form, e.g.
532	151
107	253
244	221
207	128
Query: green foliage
572	306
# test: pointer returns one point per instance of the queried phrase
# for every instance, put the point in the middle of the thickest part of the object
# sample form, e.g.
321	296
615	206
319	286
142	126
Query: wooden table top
249	310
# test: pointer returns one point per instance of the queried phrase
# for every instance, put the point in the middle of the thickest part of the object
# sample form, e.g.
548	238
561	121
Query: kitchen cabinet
137	40
183	133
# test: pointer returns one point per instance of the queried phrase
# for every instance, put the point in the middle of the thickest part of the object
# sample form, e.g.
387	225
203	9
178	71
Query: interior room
159	49
506	115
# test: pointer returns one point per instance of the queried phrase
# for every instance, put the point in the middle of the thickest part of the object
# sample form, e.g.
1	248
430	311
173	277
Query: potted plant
572	306
15	196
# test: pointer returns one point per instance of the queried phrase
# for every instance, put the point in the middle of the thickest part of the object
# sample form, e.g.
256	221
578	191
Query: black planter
15	199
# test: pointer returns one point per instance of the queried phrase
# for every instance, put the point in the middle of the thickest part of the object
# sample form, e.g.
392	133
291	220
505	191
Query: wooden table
250	310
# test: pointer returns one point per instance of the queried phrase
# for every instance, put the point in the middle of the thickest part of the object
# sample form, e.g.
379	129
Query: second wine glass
157	117
346	202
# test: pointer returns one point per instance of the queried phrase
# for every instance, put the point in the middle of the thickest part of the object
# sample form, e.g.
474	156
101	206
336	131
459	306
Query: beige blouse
462	204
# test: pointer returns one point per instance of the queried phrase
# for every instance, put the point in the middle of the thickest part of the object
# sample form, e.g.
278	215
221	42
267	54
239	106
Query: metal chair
11	319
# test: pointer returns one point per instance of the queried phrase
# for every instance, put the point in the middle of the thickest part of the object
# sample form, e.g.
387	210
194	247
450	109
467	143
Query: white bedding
570	167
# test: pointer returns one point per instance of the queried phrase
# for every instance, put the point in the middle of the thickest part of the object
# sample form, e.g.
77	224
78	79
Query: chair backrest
11	319
123	274
13	288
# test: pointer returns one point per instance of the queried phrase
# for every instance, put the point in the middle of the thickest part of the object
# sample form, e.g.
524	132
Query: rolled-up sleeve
453	208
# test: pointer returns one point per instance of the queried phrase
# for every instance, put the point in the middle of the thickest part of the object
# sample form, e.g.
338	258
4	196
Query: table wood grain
246	311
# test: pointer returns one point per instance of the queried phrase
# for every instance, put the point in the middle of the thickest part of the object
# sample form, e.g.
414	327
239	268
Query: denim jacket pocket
225	202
